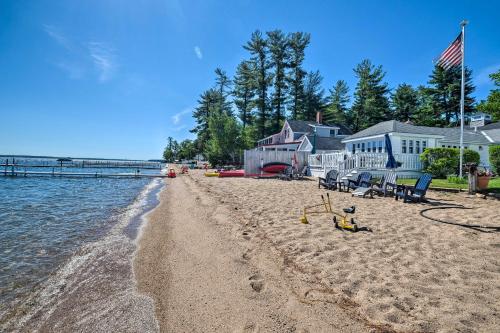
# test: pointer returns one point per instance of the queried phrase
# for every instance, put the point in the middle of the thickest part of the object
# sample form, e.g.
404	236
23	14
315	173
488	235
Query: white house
308	136
407	139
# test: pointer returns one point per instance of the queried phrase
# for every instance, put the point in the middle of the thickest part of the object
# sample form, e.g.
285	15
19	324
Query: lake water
44	221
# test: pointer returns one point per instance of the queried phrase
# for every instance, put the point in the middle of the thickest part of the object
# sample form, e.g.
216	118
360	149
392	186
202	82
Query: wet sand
224	255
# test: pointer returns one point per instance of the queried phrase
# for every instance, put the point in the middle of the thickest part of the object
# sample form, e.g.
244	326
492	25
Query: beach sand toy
171	173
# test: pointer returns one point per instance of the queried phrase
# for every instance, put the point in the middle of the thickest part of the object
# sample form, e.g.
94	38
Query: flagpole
462	97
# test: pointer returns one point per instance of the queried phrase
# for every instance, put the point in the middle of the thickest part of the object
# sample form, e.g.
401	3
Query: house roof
327	143
300	126
303	126
449	134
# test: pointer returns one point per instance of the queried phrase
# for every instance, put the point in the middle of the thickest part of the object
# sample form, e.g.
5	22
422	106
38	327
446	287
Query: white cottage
307	136
409	140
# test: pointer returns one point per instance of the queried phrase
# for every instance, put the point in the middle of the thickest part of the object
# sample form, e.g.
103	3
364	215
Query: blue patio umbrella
391	161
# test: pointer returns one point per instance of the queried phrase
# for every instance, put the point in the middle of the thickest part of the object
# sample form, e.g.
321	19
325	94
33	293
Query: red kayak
232	173
275	167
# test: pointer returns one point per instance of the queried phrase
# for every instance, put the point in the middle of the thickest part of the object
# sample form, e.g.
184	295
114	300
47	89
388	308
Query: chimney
319	117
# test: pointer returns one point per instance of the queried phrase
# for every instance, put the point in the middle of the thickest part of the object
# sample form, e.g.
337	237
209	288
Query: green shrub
456	179
495	158
441	162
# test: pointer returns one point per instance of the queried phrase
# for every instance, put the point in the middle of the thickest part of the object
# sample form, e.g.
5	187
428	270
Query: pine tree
170	152
244	91
313	96
445	92
425	114
492	104
336	110
224	142
404	102
222	81
207	103
371	104
257	46
298	42
279	52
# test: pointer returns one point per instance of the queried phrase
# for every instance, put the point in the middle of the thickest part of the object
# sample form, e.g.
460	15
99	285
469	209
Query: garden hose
476	227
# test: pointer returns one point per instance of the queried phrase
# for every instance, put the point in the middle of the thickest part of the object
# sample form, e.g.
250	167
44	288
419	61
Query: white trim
365	138
302	143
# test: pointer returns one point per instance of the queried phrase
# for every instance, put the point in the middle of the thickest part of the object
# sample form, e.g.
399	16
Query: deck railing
347	161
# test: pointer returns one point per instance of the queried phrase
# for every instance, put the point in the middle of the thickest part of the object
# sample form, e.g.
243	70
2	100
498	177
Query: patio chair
300	174
387	185
363	180
330	181
414	193
287	174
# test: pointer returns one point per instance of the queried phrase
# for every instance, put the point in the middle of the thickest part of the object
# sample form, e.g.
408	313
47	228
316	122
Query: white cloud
58	36
104	59
483	78
198	53
176	118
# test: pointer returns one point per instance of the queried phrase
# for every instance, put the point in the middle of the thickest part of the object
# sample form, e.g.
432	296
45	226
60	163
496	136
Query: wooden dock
25	173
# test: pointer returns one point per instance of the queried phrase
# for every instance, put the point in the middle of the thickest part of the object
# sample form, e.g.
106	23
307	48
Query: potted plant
483	178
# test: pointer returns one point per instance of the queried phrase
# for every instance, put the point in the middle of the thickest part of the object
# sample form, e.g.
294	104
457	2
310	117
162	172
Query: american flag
452	56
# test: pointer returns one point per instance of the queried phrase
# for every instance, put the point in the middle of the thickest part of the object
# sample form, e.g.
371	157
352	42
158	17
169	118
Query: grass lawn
493	185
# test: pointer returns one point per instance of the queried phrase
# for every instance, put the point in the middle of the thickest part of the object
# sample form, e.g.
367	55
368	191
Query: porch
347	163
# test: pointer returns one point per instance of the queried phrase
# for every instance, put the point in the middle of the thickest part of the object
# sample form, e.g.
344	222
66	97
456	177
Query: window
410	146
417	147
358	146
354	148
403	146
380	146
480	147
369	147
363	147
424	145
332	132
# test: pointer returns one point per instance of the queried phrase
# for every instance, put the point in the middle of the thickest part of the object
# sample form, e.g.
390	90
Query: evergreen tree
207	103
170	152
404	102
257	46
371	104
222	81
336	110
279	53
298	42
244	91
313	96
425	114
223	145
445	92
492	103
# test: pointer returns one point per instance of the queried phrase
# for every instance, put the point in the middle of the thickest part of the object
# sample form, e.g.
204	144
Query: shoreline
95	289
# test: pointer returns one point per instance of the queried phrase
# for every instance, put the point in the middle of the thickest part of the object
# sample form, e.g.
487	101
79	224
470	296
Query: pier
53	173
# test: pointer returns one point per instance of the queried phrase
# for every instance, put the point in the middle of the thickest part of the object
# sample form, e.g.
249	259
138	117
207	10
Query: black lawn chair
414	193
287	174
330	181
363	180
300	174
387	185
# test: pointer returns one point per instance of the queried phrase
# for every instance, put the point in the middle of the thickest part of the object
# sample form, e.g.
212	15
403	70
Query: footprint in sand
256	282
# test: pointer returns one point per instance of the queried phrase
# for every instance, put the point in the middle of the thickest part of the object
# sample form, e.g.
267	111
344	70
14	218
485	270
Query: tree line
272	85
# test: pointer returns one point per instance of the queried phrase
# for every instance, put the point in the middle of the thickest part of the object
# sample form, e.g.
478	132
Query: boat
211	174
232	173
275	167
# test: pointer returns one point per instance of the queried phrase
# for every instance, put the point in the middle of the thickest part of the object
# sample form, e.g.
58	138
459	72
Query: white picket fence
254	158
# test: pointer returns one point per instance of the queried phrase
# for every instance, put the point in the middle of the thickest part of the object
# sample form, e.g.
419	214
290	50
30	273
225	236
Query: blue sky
102	78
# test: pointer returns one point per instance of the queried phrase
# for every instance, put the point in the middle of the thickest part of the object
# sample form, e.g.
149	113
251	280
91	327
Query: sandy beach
224	255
